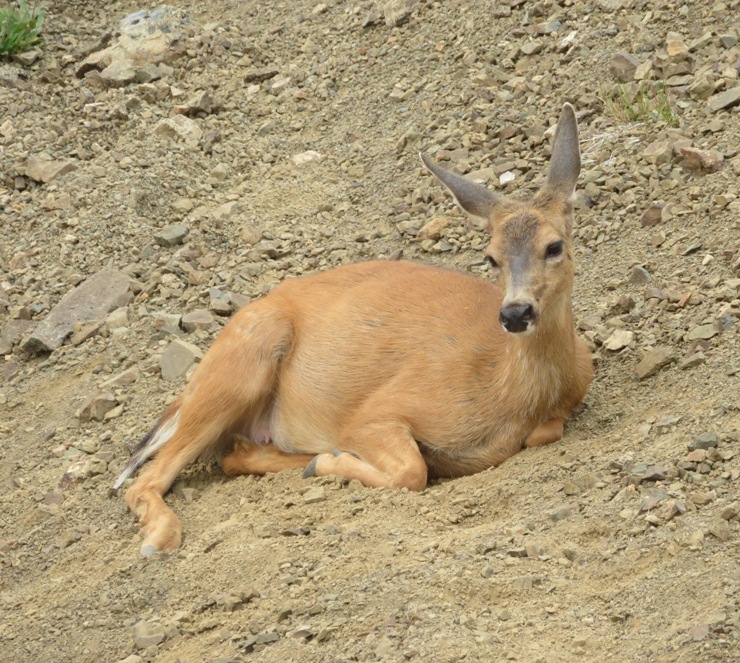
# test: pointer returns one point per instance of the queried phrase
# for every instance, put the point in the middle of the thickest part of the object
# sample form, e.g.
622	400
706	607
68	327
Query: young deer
391	372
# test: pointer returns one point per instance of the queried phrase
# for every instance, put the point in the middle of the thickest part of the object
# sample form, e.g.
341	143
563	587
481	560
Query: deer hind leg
379	455
546	433
233	383
250	458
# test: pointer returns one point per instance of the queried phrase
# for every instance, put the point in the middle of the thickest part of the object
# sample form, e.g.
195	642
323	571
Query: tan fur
401	369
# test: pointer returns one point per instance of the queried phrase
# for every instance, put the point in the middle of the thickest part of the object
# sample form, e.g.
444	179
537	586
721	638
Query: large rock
146	38
91	300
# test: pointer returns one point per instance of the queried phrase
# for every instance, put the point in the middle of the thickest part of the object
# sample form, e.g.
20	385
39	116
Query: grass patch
20	28
638	102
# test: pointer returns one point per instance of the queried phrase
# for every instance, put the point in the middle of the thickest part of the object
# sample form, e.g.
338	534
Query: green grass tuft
642	102
20	28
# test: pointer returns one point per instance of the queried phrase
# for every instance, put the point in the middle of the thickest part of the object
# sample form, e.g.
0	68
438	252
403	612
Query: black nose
515	318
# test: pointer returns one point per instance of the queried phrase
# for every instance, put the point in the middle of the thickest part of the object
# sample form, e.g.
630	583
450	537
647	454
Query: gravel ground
268	140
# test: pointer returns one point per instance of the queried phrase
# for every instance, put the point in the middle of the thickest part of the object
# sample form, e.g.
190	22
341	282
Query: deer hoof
310	470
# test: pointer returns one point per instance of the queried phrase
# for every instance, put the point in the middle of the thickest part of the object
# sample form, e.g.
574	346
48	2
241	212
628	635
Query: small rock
183	205
705	161
179	126
654	361
397	12
198	319
147	634
433	229
696	359
171	235
118	73
659	152
720	530
313	495
306	157
118	318
726	99
639	275
623	66
260	75
652	216
178	358
97	405
86	467
43	169
250	235
620	338
703	332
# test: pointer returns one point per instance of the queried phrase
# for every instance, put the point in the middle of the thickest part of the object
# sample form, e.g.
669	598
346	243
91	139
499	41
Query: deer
390	372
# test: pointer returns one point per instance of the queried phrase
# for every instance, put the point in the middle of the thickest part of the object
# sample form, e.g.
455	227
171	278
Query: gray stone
43	169
654	361
726	99
178	358
90	301
171	235
704	441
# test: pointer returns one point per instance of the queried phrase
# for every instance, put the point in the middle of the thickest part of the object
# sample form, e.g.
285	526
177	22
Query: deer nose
516	318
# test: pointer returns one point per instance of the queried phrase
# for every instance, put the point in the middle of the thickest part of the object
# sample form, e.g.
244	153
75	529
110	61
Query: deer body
390	372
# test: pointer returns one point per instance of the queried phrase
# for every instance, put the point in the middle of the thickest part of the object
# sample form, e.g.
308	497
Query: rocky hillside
159	169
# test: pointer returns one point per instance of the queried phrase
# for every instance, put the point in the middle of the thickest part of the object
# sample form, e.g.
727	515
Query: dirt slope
617	544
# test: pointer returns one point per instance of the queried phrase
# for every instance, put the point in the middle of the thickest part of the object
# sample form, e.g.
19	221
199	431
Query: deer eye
492	262
554	249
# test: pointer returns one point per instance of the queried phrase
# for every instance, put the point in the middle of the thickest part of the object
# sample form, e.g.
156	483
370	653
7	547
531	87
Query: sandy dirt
618	543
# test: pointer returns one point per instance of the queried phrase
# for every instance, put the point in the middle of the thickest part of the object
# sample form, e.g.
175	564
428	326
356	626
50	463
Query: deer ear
565	164
472	198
